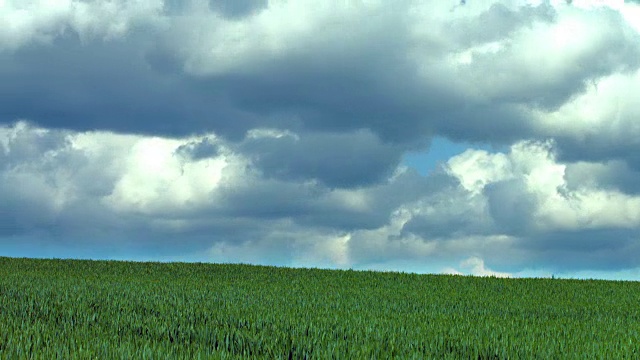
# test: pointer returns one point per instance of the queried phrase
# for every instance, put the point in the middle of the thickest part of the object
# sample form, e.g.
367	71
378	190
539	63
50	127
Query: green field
122	310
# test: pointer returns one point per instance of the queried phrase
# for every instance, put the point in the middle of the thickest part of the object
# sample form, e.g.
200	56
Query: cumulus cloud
599	124
539	208
475	266
536	185
516	209
92	182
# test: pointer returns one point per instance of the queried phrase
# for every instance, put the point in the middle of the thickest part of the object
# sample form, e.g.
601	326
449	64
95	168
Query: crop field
64	309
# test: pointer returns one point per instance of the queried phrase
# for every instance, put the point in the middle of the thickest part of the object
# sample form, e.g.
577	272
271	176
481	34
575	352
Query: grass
105	309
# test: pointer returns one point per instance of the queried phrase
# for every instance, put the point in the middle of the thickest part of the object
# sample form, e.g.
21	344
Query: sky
476	137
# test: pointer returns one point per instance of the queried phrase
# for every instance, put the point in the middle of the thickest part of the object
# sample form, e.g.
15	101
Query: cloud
517	209
237	8
41	22
176	69
352	160
449	213
599	225
274	132
199	149
611	175
599	124
475	266
557	206
77	183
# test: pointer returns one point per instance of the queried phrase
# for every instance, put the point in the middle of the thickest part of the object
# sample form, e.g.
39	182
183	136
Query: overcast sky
476	137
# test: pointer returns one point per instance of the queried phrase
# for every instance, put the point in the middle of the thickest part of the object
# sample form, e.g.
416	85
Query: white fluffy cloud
475	266
556	206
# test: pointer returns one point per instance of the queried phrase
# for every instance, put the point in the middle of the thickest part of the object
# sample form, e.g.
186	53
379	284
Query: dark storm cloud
237	8
307	204
342	160
606	248
26	145
503	124
381	200
26	200
601	147
379	77
108	86
197	150
314	205
134	86
610	175
451	214
582	240
268	199
37	184
510	205
342	83
340	89
232	9
23	212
